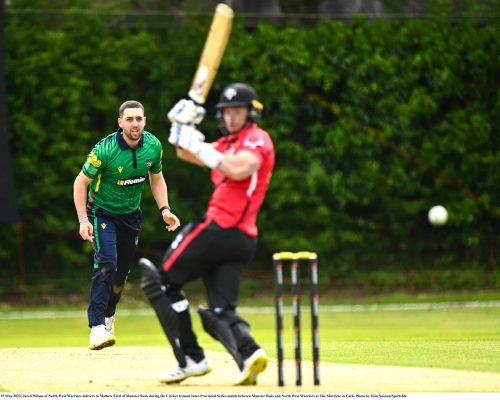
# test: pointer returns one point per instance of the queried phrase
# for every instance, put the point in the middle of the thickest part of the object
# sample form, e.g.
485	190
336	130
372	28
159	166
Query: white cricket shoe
192	368
252	367
110	324
100	338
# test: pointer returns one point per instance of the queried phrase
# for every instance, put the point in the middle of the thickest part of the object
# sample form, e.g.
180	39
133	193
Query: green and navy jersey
120	172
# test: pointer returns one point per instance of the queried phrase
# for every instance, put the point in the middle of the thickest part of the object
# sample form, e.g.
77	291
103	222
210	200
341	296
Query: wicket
295	258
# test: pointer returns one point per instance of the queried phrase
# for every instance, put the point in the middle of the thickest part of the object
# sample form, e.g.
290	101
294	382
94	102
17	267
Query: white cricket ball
438	215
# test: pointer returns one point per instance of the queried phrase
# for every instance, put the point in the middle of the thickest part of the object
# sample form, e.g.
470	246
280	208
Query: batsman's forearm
239	166
189	157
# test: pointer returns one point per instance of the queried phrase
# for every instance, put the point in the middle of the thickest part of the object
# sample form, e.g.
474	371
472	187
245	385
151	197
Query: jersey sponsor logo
120	169
92	159
253	144
132	181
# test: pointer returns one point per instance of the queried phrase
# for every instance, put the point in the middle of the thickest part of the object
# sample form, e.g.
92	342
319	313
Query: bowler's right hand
87	231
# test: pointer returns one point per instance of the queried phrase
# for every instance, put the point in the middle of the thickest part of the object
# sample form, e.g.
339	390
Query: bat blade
212	53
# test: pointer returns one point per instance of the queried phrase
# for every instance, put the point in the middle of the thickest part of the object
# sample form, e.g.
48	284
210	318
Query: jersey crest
253	143
92	159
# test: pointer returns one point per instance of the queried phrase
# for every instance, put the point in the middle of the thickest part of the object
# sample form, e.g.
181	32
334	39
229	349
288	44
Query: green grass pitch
464	339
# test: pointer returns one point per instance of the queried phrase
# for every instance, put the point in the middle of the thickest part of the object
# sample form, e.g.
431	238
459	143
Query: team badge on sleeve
253	141
92	159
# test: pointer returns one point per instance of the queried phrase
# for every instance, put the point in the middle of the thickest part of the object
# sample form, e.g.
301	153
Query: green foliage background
373	123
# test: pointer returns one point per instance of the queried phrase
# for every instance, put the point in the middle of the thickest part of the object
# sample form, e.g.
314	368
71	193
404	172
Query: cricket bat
211	57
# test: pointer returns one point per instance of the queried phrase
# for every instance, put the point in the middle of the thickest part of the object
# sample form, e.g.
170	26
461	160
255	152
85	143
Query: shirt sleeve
157	167
255	143
94	163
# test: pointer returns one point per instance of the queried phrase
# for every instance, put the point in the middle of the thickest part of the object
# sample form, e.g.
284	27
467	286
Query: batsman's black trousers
205	250
115	241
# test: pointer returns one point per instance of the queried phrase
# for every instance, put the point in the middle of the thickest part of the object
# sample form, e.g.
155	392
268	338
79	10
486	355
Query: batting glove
186	137
186	112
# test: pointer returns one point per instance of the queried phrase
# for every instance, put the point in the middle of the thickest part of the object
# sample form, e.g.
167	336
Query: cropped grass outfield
463	338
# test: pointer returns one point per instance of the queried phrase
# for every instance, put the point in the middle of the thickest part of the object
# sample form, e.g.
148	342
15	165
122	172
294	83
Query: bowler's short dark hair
130	104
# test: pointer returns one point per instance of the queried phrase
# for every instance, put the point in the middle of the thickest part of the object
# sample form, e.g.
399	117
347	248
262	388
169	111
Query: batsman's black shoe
252	367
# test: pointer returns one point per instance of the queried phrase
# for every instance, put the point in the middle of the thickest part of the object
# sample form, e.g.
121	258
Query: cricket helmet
240	94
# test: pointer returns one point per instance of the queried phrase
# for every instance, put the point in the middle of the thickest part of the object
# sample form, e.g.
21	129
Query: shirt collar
122	143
